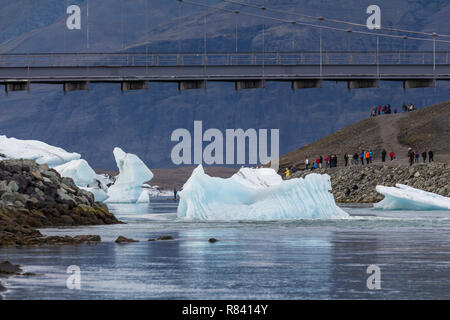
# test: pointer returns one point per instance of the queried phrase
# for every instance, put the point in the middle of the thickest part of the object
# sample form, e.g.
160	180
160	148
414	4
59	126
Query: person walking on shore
410	156
392	155
287	173
424	156
367	156
383	155
430	156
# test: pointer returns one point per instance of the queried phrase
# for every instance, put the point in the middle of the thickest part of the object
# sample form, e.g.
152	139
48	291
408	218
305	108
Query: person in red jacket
392	155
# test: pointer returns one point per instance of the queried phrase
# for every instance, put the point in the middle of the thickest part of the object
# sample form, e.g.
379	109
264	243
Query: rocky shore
356	184
35	196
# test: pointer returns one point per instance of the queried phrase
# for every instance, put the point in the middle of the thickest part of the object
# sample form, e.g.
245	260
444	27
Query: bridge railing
241	58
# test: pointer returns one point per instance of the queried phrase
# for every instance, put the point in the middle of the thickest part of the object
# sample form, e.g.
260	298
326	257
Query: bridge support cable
320	47
263	9
146	40
378	54
404	48
434	56
205	61
236	17
180	4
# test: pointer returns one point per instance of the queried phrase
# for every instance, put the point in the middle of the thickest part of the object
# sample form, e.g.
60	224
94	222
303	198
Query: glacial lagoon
303	259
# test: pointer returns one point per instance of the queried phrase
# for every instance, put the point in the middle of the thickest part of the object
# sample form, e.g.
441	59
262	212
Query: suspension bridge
193	70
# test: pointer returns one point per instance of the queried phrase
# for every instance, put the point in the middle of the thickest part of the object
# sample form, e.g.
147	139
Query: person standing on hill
306	164
367	156
320	161
417	156
424	156
383	155
327	161
430	156
362	157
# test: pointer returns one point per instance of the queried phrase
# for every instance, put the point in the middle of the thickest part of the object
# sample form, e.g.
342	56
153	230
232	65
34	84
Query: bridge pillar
17	86
250	84
420	83
134	85
191	85
75	86
362	83
306	84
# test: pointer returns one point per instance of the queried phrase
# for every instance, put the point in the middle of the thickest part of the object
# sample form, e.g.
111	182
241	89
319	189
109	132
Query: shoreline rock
122	239
35	196
356	184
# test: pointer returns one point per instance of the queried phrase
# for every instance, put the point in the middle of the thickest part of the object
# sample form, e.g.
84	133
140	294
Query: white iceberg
41	152
257	194
132	174
402	197
79	170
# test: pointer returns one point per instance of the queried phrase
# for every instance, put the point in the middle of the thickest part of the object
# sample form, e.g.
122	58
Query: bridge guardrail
222	59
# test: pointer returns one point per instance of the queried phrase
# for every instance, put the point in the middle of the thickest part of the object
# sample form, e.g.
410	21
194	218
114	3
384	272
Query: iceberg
42	153
402	197
84	177
132	174
79	170
257	194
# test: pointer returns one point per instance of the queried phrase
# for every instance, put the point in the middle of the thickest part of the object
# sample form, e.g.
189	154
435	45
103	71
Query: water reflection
272	260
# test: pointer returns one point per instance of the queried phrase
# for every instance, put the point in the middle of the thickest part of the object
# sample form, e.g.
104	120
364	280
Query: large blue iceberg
402	197
257	194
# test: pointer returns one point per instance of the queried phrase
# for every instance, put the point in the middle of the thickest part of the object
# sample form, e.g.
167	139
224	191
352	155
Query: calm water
252	260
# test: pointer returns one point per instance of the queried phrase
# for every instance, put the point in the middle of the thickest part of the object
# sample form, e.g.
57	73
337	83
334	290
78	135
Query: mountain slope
421	130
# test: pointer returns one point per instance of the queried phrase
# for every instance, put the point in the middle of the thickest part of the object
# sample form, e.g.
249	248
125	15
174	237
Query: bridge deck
117	67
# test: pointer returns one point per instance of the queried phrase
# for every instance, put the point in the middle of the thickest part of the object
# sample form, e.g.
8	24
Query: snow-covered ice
402	197
79	170
132	174
39	151
257	194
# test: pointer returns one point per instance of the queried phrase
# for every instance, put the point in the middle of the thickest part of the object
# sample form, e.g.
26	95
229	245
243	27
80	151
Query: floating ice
132	174
257	194
39	151
79	170
402	197
99	194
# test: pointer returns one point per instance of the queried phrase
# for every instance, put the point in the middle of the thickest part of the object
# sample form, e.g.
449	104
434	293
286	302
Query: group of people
360	158
329	161
379	110
414	156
